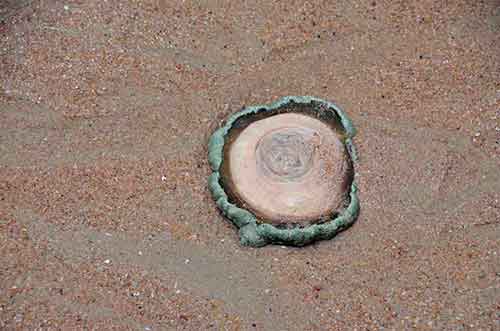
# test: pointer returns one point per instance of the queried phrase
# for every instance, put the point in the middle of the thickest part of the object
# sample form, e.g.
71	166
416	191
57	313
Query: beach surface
106	107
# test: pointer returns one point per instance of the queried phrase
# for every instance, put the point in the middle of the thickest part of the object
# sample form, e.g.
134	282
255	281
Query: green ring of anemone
256	234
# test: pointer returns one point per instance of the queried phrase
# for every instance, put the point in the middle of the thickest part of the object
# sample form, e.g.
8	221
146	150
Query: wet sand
106	221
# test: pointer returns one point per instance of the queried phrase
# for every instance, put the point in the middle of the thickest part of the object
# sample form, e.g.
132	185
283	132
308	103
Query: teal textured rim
255	233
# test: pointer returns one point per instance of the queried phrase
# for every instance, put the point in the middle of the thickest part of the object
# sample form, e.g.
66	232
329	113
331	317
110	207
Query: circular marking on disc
287	153
288	168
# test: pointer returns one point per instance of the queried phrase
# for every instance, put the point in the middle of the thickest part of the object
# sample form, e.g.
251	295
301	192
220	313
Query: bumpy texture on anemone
284	173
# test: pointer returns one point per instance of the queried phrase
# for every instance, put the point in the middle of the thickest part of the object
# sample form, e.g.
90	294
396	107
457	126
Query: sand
105	112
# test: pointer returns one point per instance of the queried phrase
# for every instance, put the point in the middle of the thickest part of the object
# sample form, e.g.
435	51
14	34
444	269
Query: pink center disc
289	168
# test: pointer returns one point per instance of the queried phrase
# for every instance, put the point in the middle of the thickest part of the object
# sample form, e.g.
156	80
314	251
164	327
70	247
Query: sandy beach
106	221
